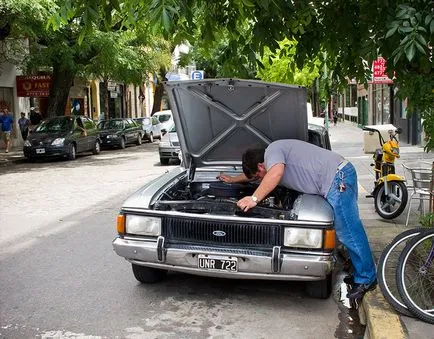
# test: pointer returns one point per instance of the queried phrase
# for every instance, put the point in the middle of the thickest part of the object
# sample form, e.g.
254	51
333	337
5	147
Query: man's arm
233	179
268	184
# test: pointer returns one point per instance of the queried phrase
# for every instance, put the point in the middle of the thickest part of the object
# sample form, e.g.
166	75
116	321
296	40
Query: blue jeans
349	227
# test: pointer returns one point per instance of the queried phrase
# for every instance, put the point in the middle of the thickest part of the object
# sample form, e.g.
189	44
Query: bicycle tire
386	269
416	283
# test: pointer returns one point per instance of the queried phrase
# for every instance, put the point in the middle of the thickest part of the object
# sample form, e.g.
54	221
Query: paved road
59	277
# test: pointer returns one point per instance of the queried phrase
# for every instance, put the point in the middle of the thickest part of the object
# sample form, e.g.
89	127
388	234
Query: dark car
151	127
63	136
120	132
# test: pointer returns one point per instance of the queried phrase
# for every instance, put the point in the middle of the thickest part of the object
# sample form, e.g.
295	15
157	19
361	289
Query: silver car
169	148
151	127
187	221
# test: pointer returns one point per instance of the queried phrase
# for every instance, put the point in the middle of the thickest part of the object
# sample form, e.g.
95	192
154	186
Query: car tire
148	275
72	152
151	138
96	148
123	142
320	289
164	161
139	139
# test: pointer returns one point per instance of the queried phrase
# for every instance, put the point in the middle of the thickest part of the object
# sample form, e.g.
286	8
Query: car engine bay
220	198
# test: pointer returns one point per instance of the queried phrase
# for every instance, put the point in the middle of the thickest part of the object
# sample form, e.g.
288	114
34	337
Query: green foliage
427	220
280	66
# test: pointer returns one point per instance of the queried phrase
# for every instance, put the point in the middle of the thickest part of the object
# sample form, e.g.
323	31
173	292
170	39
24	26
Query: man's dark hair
251	158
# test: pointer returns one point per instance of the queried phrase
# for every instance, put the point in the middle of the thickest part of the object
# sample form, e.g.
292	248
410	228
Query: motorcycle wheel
389	207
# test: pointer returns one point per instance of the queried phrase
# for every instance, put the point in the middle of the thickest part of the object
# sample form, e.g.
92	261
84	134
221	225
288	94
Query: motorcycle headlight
58	142
27	143
143	225
302	237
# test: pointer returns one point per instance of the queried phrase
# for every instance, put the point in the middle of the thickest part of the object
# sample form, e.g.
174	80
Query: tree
105	48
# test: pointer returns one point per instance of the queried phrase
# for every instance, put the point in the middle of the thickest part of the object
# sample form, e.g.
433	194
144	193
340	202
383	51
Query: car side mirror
399	130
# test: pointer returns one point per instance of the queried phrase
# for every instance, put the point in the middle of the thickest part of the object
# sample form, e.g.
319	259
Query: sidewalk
15	155
381	320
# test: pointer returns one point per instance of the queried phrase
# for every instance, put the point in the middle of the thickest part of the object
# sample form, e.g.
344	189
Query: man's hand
225	178
246	203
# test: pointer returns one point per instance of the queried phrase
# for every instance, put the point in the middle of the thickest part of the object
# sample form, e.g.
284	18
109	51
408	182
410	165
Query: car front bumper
45	151
252	264
169	152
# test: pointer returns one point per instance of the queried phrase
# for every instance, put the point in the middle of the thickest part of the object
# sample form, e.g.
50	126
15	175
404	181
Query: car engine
219	198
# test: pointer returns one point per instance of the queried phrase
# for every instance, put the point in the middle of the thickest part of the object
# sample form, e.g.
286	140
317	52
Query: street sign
197	75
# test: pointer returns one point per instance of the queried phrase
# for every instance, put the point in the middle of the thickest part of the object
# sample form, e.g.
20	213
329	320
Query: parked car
62	136
166	119
169	148
151	127
188	221
120	132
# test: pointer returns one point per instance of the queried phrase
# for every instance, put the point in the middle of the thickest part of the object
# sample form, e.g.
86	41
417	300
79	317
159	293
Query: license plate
217	263
40	150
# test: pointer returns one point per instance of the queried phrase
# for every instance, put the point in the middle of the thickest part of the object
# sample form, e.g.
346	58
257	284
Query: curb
382	322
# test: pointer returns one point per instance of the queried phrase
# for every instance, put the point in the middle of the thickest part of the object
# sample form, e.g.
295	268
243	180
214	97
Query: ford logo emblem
219	233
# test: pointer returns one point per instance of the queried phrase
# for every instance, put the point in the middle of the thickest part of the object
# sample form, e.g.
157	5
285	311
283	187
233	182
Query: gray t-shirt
308	168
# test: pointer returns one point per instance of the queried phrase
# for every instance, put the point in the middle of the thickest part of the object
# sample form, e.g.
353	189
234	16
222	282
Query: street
59	277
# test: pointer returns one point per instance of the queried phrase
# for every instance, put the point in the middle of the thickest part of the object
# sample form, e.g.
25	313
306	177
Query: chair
422	188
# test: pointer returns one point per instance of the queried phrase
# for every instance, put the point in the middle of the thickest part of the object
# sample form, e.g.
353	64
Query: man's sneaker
359	290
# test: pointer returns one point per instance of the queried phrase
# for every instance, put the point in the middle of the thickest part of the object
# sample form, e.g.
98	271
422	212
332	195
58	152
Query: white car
169	148
166	119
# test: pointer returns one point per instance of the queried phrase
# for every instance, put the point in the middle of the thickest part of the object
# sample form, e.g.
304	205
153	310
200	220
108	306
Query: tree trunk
105	99
158	96
63	78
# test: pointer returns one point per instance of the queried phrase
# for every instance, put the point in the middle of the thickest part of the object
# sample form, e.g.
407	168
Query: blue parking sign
197	75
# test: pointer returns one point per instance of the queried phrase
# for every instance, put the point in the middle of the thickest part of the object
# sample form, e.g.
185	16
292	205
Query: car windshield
61	124
112	124
146	121
164	117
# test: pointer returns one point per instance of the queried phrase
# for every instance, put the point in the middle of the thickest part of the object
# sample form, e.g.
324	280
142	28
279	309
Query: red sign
379	75
33	85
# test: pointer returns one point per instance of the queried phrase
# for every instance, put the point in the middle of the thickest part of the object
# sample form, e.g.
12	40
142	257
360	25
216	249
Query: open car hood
218	119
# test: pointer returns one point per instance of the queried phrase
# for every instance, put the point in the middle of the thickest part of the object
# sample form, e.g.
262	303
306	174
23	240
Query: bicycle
386	269
415	275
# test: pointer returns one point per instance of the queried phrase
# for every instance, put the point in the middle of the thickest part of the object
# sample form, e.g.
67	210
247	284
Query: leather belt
342	165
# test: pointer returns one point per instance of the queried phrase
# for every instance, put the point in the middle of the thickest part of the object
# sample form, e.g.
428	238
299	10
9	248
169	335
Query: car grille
204	231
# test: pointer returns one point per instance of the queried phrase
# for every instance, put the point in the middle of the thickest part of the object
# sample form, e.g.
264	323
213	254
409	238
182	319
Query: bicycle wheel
386	270
415	276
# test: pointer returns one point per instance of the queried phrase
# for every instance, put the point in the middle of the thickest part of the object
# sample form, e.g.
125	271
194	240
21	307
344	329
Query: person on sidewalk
307	168
7	124
23	123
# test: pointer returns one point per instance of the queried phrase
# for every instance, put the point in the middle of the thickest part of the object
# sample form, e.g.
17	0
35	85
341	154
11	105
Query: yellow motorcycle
390	192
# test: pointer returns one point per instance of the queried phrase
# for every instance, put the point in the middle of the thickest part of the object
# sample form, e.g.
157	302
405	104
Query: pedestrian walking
335	116
7	124
23	123
307	168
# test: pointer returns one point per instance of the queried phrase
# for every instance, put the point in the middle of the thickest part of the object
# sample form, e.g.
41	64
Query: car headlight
112	136
143	225
58	142
27	143
302	237
165	144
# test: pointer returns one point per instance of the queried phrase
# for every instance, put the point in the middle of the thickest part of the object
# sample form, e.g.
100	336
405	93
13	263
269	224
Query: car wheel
123	142
151	138
320	289
148	275
72	152
164	161
97	148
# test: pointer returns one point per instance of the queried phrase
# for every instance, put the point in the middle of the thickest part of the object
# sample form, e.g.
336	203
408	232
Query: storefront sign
379	75
33	85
